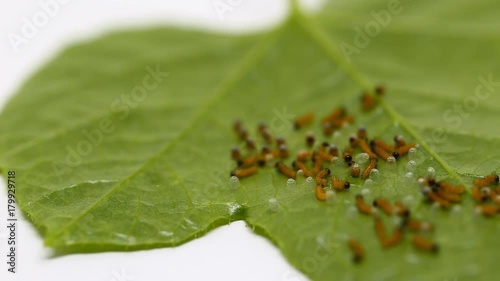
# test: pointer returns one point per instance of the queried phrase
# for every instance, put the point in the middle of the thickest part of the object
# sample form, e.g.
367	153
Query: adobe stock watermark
281	121
222	7
121	107
458	112
363	37
325	247
121	275
48	9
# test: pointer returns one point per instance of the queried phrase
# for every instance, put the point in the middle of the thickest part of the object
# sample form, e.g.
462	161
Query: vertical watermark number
11	222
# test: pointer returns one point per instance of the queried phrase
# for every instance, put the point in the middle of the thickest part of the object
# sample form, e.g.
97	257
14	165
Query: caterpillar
488	180
301	166
362	206
357	250
282	168
320	193
303	120
340	185
423	244
235	153
372	165
242	173
384	205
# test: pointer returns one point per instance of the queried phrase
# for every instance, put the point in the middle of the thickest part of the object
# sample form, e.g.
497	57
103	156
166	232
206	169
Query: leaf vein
242	67
321	38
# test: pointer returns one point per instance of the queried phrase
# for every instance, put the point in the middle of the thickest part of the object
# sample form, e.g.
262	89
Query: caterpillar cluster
314	162
308	163
440	193
487	194
408	224
250	163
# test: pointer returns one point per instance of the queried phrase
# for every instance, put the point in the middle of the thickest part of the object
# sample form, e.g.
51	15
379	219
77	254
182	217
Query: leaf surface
160	177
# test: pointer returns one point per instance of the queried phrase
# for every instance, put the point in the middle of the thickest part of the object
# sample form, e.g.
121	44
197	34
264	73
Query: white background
230	252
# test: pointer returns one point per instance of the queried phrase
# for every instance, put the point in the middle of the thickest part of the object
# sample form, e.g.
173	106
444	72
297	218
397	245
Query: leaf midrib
321	38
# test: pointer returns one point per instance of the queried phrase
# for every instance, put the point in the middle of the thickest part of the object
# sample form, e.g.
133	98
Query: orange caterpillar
310	139
372	165
303	120
381	144
478	195
235	153
423	244
242	173
401	210
320	193
265	133
399	141
384	205
366	149
304	155
282	168
357	249
495	196
452	197
334	115
414	225
396	237
380	90
326	156
382	153
488	180
250	143
249	161
301	166
340	185
403	150
488	210
380	229
266	155
240	130
337	123
367	102
321	177
362	206
362	133
282	151
450	188
318	164
328	129
431	195
335	120
333	151
280	141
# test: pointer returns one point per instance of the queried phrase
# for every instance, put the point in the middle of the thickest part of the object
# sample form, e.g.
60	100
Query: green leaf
155	170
